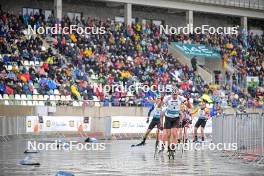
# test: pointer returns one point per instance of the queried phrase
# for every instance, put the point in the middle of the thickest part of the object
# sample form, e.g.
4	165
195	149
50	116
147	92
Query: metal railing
246	130
77	103
250	4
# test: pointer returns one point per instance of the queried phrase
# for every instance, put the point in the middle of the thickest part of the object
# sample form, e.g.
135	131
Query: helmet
174	90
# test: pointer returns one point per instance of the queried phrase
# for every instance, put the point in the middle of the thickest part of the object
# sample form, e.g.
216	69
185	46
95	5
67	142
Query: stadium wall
10	111
13	118
99	10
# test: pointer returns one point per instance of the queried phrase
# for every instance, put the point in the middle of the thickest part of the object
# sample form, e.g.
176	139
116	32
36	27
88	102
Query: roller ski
139	144
162	149
171	153
156	148
198	141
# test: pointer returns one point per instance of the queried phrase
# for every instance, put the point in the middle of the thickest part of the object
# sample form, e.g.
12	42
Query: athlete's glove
190	121
180	123
147	120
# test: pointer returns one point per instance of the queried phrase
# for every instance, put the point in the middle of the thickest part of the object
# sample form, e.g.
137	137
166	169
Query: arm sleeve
150	110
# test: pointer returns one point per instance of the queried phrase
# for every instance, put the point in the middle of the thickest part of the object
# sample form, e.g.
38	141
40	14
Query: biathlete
203	116
173	119
186	120
157	109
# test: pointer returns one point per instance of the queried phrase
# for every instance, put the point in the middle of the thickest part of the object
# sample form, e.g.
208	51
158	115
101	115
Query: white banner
58	123
137	124
129	124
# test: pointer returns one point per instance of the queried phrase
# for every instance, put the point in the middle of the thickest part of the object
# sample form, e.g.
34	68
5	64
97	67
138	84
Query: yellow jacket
75	90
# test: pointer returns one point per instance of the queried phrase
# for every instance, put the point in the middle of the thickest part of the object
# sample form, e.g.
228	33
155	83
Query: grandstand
61	83
65	69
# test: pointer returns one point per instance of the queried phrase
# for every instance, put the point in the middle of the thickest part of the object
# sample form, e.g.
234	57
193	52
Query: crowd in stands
77	65
244	55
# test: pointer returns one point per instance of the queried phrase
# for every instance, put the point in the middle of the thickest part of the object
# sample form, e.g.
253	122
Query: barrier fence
251	4
11	127
42	127
246	130
76	103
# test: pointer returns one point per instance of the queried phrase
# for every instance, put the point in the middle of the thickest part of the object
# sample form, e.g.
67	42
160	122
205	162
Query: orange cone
80	128
37	127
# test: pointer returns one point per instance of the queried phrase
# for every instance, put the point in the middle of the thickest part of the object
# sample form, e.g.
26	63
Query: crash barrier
11	127
28	127
61	126
108	127
246	130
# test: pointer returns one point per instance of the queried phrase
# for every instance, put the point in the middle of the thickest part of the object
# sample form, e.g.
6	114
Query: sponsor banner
192	50
137	124
58	123
129	124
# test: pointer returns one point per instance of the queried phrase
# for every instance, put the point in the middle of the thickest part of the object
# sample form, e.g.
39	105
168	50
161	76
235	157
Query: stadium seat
40	97
35	91
29	103
93	77
31	63
1	100
46	97
52	97
37	63
17	96
11	100
23	103
41	103
17	100
56	92
97	104
6	102
75	103
5	96
57	97
9	67
36	85
43	48
130	94
26	63
63	98
35	103
35	97
51	92
23	99
68	98
95	98
29	97
35	100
